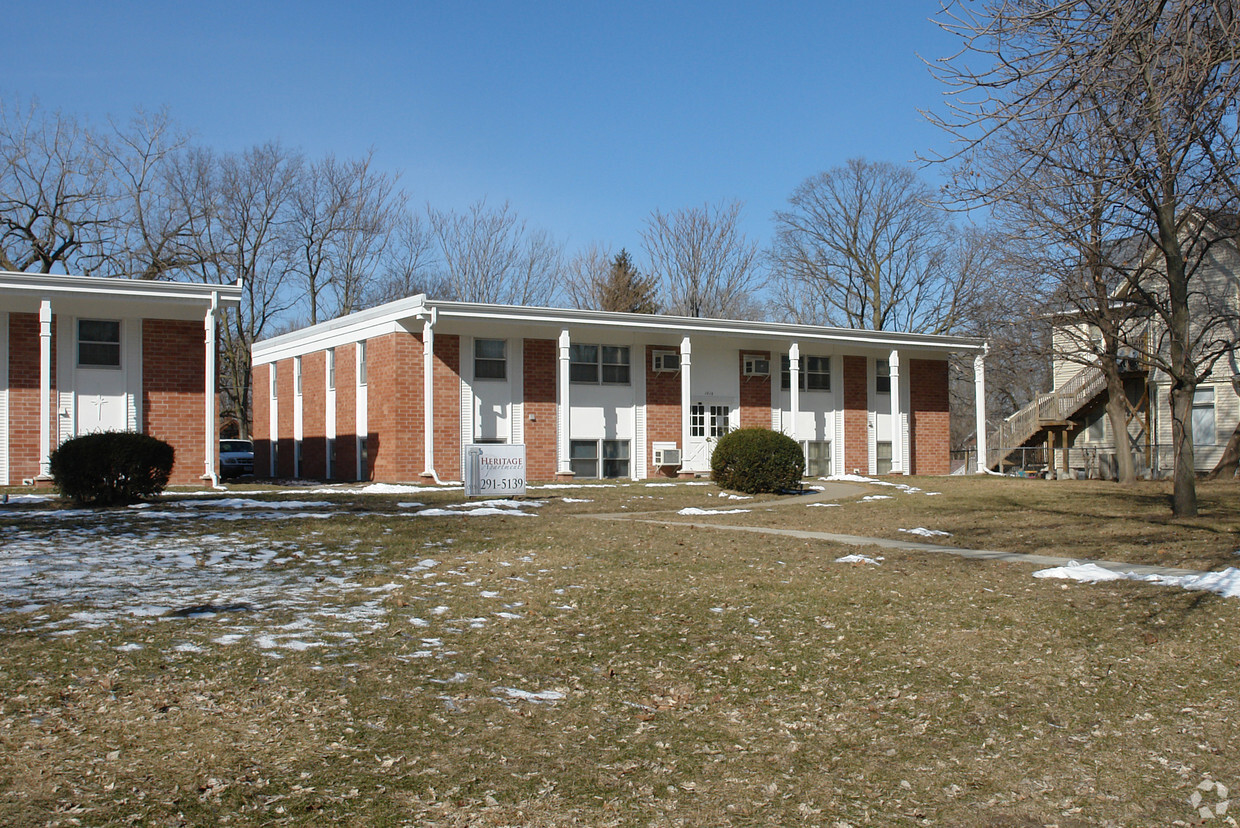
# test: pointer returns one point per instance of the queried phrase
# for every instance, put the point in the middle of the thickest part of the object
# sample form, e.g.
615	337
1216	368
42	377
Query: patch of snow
577	500
869	498
507	615
693	510
402	488
1089	573
31	498
927	533
525	695
458	512
824	505
410	504
1225	583
877	560
486	593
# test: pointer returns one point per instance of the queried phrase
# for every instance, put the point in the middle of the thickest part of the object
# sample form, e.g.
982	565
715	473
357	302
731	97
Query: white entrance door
101	401
709	420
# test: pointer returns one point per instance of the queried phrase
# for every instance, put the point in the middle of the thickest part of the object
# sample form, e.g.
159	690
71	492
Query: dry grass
708	678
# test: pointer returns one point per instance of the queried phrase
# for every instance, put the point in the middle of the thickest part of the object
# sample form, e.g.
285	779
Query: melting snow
1225	583
869	498
525	695
928	533
693	510
860	559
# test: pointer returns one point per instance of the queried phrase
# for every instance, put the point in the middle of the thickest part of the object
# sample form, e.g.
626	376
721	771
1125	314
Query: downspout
209	386
428	397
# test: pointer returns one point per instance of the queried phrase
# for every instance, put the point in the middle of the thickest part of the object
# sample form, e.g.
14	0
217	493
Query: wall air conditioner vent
757	366
666	457
665	361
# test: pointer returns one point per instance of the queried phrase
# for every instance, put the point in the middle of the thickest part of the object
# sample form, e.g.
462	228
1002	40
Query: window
818	458
490	361
297	376
1095	432
704	423
361	362
814	374
99	343
331	369
1204	423
584	458
608	364
883	458
882	377
274	385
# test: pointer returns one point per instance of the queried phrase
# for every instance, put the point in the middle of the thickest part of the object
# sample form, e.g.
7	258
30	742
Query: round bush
757	460
111	468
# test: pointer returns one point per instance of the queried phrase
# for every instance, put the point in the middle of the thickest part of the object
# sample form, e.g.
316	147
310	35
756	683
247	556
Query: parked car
236	458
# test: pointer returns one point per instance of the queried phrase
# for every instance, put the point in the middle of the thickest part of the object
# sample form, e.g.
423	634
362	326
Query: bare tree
599	281
1161	81
247	237
704	262
408	262
866	245
489	255
342	215
56	210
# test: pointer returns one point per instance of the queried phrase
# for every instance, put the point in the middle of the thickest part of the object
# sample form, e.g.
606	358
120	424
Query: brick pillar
394	398
538	359
345	467
856	419
313	418
284	418
447	406
755	394
260	426
662	411
24	381
173	378
929	417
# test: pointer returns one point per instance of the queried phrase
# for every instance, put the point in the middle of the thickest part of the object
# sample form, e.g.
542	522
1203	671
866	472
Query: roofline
381	319
40	284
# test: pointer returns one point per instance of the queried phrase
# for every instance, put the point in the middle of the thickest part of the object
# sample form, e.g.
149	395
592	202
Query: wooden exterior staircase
1054	408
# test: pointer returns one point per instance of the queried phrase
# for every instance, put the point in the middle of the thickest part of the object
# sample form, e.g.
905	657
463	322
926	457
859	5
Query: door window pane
818	458
490	359
99	343
583	363
615	458
883	453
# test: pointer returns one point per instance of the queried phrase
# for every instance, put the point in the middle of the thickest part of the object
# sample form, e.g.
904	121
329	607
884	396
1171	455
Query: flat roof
44	284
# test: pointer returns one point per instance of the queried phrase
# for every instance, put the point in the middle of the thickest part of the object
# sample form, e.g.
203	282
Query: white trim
45	387
4	398
639	457
210	413
516	391
897	416
979	410
794	388
428	396
563	418
686	396
399	315
43	285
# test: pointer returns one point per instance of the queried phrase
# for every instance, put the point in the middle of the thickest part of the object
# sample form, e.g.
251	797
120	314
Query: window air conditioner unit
666	457
665	361
757	367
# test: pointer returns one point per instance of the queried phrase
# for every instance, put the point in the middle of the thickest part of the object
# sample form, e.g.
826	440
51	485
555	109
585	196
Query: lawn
312	656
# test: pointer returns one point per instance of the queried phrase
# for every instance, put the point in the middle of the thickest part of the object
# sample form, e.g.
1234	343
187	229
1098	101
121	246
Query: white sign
493	469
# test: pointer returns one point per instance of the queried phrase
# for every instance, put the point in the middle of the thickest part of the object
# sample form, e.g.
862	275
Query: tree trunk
1184	477
1117	413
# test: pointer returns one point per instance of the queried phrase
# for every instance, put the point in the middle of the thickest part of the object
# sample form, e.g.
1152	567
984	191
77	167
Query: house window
818	458
1204	422
882	376
883	458
608	364
297	376
331	369
814	373
1095	432
584	458
490	361
274	384
99	343
361	362
718	423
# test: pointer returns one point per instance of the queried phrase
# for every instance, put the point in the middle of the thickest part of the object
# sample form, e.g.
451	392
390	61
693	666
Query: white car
236	458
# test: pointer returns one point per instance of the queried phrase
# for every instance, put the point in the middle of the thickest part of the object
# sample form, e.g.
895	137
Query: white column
208	389
897	425
794	388
686	394
428	395
979	392
564	465
45	388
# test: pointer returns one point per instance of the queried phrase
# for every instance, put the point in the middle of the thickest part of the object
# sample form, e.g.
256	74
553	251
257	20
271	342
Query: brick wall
856	419
313	417
539	363
345	467
284	419
260	423
173	377
447	382
755	394
394	406
929	418
24	395
663	410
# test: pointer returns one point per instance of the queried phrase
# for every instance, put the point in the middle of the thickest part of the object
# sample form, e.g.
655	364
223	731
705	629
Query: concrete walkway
836	491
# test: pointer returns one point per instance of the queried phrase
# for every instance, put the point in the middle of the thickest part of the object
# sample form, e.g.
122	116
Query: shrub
757	460
111	468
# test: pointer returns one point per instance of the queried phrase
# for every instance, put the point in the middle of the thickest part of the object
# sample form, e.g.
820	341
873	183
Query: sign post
494	470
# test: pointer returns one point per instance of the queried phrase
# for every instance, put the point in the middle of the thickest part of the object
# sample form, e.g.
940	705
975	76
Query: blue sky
585	116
